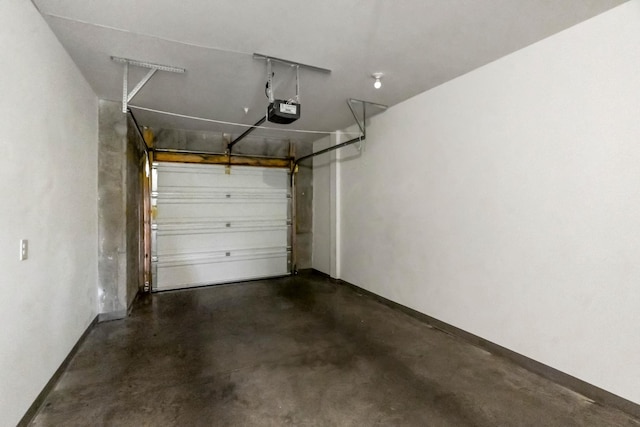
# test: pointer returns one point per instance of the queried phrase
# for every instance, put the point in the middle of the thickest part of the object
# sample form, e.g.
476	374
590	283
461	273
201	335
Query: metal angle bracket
128	96
362	124
270	88
295	64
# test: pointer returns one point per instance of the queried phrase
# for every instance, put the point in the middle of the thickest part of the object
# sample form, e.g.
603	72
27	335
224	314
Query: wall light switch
24	249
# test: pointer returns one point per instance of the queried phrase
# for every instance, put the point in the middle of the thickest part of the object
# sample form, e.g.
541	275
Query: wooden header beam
219	159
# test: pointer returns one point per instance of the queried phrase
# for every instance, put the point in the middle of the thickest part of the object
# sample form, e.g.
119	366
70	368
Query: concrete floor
297	351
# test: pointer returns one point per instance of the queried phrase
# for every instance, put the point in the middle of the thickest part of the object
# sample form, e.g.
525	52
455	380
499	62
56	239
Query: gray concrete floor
297	351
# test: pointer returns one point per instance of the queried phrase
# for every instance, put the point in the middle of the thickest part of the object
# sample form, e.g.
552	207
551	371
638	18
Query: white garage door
216	227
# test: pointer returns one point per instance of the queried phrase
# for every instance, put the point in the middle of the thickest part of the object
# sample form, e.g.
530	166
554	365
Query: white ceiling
417	44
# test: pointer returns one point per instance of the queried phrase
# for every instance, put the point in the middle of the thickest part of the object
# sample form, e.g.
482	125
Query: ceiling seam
121	30
33	2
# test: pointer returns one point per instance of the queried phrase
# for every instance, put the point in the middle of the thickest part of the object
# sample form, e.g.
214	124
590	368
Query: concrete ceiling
417	44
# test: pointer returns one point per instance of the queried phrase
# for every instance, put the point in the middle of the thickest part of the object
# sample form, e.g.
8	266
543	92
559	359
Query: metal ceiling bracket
355	116
270	92
270	82
292	63
128	96
297	84
359	139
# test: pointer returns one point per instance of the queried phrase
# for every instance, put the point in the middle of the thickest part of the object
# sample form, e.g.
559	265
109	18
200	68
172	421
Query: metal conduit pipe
247	132
363	130
326	150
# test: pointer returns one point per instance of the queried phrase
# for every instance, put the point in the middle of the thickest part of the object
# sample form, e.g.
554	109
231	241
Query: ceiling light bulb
377	84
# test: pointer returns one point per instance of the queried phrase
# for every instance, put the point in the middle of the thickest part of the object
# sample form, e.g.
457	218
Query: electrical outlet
24	249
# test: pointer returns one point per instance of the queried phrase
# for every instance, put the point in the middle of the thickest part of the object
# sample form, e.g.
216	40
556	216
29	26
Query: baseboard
135	298
112	315
311	271
35	406
315	272
586	389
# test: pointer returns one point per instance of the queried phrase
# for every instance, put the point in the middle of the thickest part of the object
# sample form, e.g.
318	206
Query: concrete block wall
135	174
119	211
304	209
112	136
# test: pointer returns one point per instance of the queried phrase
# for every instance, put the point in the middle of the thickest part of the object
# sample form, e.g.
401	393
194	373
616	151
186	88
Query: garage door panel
222	210
174	275
178	195
194	242
200	177
182	225
214	227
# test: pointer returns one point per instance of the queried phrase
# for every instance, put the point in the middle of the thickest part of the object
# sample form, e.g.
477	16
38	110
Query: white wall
507	202
48	135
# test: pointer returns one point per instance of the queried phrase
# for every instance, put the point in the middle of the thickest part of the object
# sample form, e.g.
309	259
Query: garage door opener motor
282	111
